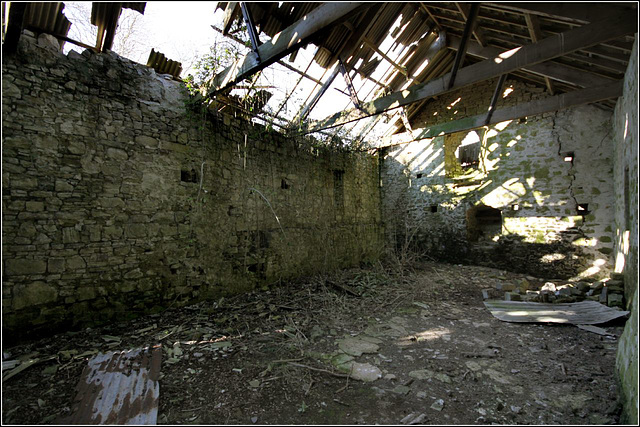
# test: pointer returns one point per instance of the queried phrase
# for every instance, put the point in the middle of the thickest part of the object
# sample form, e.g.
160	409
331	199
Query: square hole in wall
188	175
434	208
419	175
583	208
284	184
568	156
515	207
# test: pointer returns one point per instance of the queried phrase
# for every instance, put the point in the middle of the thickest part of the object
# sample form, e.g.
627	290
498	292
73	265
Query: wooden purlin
531	108
549	48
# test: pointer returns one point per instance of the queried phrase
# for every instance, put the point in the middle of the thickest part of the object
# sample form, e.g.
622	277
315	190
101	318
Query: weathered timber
579	12
549	48
556	71
494	98
230	13
533	24
462	51
14	27
283	43
553	103
465	10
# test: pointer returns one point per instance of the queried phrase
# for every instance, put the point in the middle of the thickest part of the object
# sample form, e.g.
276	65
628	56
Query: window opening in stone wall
484	223
188	176
462	152
468	152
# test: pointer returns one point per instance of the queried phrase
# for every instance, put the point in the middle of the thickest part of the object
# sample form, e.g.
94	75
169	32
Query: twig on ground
335	374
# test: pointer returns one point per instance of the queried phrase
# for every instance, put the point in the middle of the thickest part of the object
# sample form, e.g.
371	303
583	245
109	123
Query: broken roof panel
406	33
119	387
577	313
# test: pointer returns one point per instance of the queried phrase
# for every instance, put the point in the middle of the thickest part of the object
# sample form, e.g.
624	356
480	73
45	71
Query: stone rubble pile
609	291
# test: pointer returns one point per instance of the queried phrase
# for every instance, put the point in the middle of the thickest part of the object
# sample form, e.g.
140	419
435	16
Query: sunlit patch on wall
548	258
507	91
502	125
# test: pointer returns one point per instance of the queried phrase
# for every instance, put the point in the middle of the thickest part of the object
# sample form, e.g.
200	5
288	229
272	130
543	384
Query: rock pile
609	291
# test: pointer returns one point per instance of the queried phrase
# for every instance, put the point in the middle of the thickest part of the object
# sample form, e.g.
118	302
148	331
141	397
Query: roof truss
609	28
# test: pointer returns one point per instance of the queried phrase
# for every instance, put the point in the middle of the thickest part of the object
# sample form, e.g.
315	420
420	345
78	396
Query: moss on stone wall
123	197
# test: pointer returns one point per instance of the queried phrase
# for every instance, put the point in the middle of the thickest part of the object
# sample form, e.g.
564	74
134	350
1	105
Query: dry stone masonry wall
625	172
517	206
119	198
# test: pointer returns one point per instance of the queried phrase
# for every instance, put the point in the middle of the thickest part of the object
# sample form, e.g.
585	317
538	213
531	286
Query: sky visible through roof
182	32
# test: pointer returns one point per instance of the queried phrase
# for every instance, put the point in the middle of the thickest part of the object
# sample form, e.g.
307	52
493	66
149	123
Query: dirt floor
433	354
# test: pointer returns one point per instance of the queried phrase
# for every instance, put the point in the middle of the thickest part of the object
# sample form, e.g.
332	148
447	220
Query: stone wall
625	174
120	199
442	207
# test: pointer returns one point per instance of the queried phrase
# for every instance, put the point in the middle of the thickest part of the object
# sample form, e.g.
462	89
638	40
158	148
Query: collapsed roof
395	57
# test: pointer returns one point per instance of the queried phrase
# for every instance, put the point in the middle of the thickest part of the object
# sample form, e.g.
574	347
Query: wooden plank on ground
549	48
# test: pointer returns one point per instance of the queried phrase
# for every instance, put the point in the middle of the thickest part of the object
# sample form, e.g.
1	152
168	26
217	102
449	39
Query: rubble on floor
608	291
414	346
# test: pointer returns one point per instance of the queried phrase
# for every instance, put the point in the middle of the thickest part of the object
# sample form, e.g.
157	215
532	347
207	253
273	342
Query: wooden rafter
553	70
579	12
545	105
435	21
462	50
494	98
230	13
14	27
465	10
285	42
609	28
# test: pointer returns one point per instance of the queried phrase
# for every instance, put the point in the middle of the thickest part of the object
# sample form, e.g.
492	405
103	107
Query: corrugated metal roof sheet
162	65
577	313
48	18
119	388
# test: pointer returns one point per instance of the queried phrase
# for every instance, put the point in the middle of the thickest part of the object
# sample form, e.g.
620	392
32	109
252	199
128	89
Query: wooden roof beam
612	27
579	12
433	18
553	70
536	35
465	10
553	103
473	13
14	27
285	42
230	13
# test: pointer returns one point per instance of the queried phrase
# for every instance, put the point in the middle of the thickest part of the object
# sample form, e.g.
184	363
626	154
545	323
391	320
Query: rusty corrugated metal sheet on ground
119	388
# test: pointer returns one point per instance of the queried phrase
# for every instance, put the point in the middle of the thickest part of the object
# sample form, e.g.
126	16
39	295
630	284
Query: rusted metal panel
577	313
119	387
162	65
